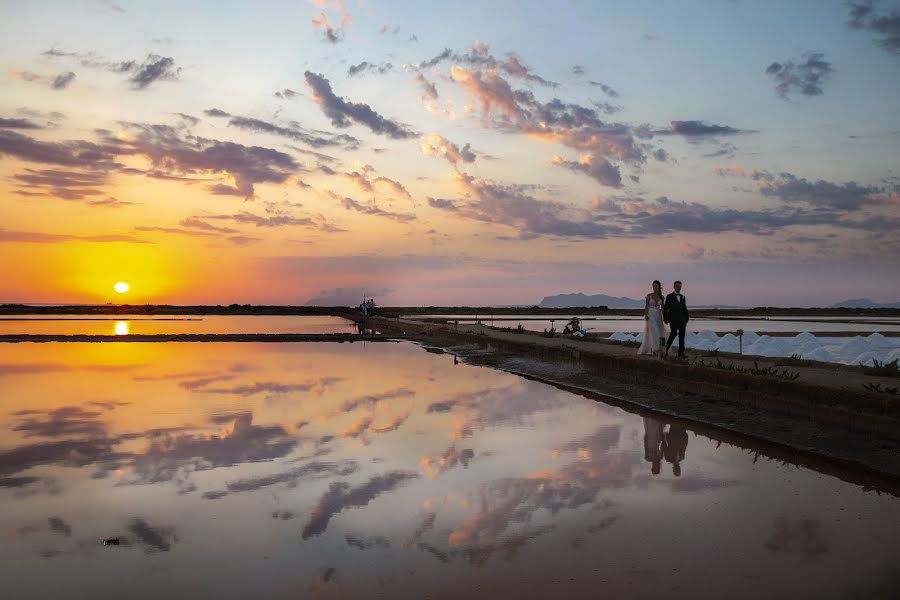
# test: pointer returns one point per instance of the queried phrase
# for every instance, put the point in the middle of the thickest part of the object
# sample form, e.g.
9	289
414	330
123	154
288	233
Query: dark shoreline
479	311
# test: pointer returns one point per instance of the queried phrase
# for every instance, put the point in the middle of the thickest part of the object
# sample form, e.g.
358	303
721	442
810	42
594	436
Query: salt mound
876	340
750	337
728	343
806	337
867	358
820	354
618	336
854	345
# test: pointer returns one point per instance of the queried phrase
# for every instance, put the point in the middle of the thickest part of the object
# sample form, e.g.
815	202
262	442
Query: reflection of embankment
781	420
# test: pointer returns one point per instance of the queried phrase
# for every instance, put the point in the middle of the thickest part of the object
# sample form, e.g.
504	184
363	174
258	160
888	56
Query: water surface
357	470
147	325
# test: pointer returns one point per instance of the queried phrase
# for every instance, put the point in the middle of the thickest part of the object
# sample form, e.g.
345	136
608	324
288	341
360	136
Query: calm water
142	324
636	324
359	470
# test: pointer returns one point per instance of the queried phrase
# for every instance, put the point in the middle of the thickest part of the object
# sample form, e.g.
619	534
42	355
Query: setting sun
121	287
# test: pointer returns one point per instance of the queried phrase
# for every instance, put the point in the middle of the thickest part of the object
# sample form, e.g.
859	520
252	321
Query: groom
675	313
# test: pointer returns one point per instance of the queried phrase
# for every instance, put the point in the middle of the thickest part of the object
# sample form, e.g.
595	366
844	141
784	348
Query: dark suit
675	311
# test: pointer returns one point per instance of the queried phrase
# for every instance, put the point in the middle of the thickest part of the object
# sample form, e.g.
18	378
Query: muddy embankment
823	420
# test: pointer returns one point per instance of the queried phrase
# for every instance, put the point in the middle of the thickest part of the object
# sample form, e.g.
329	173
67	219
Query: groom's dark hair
676	283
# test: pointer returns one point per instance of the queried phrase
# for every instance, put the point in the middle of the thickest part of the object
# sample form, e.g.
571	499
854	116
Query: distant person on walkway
653	439
674	447
675	313
654	332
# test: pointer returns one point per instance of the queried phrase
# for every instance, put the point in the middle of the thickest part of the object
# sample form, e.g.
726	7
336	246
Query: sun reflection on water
121	327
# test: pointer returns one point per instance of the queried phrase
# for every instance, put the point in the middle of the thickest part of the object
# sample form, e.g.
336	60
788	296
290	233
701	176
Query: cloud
34	237
572	125
342	112
65	185
804	77
141	74
599	169
215	112
271	387
60	422
791	189
295	132
73	153
429	91
331	33
509	205
885	27
370	209
371	400
244	442
178	152
285	94
435	464
365	543
58	525
341	496
18	124
367	67
59	82
480	57
368	183
154	539
692	252
606	89
313	470
437	145
698	129
62	81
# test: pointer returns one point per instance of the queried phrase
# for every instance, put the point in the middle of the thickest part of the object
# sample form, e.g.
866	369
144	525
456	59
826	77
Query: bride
654	332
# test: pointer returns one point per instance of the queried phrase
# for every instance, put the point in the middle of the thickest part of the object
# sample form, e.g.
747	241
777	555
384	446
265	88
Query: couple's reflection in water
670	445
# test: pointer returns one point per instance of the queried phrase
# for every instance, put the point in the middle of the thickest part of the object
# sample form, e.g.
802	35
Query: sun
121	287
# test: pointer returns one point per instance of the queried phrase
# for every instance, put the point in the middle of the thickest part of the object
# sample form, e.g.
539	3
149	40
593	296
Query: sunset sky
448	153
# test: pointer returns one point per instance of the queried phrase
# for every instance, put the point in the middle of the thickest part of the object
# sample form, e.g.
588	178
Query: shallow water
143	324
636	324
352	470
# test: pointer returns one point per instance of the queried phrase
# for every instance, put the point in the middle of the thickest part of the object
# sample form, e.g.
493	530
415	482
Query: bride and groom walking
671	310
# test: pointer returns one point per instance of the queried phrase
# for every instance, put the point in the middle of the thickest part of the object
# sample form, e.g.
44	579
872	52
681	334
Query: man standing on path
675	313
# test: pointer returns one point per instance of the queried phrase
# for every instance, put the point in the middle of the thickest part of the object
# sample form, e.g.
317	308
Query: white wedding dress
653	328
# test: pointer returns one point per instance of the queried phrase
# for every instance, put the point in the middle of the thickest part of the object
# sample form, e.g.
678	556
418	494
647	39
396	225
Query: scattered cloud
509	205
599	169
141	74
18	124
317	139
700	129
437	145
367	67
341	496
342	113
885	27
331	33
58	82
62	81
34	237
480	57
370	209
804	77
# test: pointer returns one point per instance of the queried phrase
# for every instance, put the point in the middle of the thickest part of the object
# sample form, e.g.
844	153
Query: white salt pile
846	350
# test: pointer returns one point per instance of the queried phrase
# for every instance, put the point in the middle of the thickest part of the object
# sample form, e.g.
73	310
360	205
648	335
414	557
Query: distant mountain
579	299
864	303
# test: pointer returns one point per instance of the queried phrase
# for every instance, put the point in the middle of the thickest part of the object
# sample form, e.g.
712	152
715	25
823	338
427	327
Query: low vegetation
755	370
882	369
